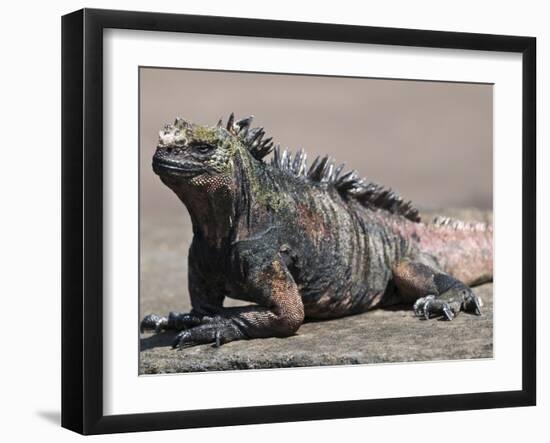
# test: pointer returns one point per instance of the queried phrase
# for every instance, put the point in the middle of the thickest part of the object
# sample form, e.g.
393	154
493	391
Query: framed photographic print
270	221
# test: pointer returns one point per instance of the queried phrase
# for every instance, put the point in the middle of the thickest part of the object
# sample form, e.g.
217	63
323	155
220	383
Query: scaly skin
302	244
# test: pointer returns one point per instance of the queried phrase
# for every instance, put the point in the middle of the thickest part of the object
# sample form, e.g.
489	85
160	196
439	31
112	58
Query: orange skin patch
312	223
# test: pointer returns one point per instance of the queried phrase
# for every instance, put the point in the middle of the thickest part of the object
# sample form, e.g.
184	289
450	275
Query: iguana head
195	154
205	167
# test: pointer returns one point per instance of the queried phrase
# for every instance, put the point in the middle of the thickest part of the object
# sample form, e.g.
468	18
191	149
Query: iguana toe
218	331
422	306
447	311
472	303
175	321
153	322
179	320
430	306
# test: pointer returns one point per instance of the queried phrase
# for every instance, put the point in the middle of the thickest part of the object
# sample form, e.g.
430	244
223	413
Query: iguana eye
203	148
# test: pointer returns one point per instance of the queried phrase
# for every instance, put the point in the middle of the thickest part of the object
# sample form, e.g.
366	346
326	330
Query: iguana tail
462	249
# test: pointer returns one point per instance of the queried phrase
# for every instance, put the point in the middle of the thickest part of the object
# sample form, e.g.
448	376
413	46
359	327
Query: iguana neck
220	206
251	184
213	222
210	201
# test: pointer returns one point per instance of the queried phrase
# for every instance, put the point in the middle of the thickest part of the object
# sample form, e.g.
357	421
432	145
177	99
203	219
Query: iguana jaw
163	166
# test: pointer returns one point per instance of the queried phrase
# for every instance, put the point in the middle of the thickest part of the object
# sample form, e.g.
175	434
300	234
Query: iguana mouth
163	166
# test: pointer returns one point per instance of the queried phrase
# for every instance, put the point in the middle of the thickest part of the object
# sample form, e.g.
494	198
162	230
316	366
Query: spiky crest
323	170
252	138
460	225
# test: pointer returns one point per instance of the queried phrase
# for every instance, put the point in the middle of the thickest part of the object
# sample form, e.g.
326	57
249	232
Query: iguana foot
448	304
217	330
434	293
175	321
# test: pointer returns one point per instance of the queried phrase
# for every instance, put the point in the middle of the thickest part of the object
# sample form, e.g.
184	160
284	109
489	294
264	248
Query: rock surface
378	336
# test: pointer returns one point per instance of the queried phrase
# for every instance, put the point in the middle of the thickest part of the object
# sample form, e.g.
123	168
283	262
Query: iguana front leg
433	292
206	299
279	312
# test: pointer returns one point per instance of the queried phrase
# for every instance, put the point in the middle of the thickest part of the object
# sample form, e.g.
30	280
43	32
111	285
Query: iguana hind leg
433	292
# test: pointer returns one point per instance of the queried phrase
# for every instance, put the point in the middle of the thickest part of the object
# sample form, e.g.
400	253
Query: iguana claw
472	303
448	312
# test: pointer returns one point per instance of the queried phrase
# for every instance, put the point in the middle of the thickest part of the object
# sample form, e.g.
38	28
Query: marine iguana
302	242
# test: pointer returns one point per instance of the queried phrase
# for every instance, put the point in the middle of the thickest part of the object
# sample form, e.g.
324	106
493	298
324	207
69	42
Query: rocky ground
392	335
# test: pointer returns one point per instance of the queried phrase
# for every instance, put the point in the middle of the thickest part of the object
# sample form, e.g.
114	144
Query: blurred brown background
430	141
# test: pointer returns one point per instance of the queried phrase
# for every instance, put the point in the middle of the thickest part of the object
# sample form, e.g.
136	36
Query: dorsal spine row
322	171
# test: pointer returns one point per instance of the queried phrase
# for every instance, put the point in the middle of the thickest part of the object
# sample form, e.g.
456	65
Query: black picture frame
82	220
